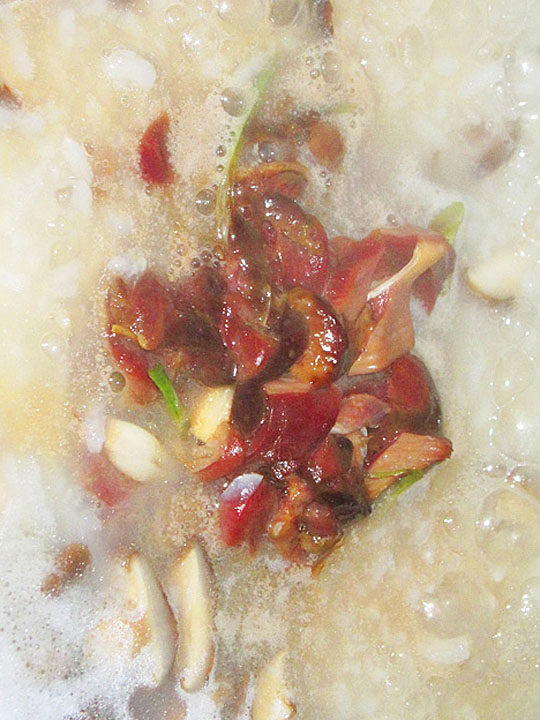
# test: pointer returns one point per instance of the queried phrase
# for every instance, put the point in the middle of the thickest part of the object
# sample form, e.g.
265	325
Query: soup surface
427	609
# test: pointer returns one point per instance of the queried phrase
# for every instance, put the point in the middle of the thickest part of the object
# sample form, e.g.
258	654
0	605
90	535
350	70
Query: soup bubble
267	151
205	201
117	382
53	344
233	102
63	195
514	373
530	599
199	39
508	527
413	48
331	67
283	12
175	17
517	432
63	251
457	606
241	14
528	478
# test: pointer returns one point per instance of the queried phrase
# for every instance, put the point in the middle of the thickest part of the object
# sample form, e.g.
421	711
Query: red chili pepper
154	161
244	509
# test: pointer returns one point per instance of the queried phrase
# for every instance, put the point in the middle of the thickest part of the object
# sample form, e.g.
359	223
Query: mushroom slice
272	701
212	408
189	589
133	450
154	627
500	277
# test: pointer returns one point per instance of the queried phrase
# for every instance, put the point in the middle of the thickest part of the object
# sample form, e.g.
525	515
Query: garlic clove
500	277
133	450
212	408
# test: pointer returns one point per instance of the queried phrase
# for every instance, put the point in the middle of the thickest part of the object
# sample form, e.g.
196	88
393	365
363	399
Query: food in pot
269	383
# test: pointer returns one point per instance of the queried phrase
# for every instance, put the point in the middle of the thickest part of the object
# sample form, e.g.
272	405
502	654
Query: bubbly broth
430	608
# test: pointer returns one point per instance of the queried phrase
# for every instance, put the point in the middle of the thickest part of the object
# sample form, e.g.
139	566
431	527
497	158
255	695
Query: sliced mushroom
212	408
133	450
272	700
154	626
189	589
499	277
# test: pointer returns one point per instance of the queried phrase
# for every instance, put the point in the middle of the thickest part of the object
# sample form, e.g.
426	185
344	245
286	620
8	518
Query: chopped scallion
408	478
389	473
448	221
159	377
406	481
223	195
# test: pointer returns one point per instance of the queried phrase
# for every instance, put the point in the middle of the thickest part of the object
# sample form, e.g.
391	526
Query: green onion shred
406	481
448	221
408	478
159	377
223	195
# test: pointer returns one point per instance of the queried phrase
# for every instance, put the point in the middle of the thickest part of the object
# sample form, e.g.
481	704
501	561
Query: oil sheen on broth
429	609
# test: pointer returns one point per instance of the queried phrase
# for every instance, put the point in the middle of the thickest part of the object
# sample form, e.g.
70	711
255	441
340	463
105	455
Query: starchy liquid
430	608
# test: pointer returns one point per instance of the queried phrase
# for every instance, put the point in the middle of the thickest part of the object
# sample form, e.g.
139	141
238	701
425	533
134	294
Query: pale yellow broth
430	609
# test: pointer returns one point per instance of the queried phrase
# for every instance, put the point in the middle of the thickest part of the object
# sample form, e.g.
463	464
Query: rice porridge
123	124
